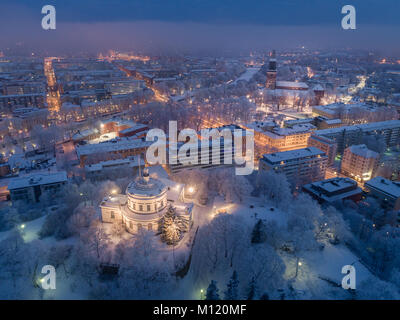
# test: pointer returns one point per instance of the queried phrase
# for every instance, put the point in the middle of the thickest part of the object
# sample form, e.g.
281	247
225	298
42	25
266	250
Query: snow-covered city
231	165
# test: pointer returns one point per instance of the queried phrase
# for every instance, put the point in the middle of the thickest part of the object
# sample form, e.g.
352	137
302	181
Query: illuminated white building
359	162
144	203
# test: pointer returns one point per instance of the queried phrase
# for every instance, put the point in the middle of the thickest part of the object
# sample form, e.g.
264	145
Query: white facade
144	203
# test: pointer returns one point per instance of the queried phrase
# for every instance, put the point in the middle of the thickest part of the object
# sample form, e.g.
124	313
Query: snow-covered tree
259	233
274	187
172	226
232	290
212	291
252	290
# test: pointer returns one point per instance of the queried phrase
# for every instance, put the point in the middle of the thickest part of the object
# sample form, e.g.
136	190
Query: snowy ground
326	263
247	75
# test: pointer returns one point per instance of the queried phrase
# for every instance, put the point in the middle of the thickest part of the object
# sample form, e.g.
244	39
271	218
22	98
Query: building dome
146	195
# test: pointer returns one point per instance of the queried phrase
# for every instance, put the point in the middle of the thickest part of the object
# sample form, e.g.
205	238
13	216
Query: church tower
271	73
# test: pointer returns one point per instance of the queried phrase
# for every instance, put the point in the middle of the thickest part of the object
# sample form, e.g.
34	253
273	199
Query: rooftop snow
109	146
293	154
363	151
391	188
37	180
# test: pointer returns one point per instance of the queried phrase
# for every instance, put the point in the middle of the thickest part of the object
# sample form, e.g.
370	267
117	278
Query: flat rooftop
37	180
362	151
293	154
389	187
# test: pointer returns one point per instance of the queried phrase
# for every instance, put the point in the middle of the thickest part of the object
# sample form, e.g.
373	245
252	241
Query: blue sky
262	12
213	25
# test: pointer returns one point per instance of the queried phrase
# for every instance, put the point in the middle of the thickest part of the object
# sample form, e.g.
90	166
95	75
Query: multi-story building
110	150
333	190
352	135
124	128
300	166
10	102
32	187
359	162
212	153
386	191
326	145
277	139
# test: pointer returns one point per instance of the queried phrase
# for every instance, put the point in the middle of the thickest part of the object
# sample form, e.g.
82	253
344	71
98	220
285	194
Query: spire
140	169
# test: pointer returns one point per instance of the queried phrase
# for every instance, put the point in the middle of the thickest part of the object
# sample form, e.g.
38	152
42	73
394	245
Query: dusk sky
199	24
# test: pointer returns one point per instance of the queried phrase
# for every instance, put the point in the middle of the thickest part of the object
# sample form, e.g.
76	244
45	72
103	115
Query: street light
201	294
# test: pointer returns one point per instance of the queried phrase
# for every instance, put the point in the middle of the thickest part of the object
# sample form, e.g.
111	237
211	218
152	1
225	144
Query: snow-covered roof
363	151
37	180
141	187
292	84
110	164
334	189
110	146
366	127
391	188
293	154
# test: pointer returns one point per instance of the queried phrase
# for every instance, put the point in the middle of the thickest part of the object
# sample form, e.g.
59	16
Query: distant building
349	114
333	190
300	166
88	134
110	150
271	72
277	139
359	162
319	93
10	102
386	191
124	128
291	85
326	145
325	123
353	135
30	188
104	169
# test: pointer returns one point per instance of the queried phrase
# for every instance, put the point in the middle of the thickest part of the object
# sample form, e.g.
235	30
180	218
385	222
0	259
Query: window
139	226
112	215
150	227
140	207
148	207
130	225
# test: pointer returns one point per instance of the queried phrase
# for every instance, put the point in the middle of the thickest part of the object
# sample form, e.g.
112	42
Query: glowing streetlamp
201	294
22	226
114	191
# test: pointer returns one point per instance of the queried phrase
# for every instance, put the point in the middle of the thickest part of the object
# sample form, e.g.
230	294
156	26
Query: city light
190	189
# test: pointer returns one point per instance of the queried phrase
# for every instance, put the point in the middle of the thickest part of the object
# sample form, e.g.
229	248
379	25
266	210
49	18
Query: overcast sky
176	25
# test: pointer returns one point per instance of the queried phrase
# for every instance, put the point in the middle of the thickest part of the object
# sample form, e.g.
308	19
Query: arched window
149	227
